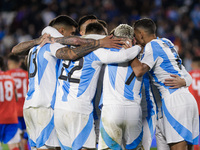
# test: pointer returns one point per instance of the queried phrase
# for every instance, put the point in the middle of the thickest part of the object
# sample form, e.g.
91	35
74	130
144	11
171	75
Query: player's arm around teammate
161	59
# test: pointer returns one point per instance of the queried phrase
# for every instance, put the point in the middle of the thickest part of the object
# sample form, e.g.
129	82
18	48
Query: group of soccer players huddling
134	78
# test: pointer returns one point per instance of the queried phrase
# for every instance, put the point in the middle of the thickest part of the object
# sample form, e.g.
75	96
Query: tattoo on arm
86	48
73	40
23	47
73	54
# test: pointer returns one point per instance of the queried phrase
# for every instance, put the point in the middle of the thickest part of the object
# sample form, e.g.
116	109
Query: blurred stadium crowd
177	20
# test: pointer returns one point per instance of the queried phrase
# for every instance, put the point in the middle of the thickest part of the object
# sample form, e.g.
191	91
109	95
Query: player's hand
127	44
39	40
175	82
47	39
108	42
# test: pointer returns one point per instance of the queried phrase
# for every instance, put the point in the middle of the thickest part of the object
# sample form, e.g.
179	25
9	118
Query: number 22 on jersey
78	65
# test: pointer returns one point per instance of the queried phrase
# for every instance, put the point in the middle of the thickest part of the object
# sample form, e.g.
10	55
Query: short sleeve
54	47
148	56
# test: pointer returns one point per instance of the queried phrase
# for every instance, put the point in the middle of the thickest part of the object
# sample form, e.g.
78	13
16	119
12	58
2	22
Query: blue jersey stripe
87	73
31	80
165	65
128	89
41	61
112	72
54	94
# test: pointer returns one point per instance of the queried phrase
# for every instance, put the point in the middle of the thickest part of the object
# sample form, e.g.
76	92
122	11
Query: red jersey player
21	81
195	86
8	110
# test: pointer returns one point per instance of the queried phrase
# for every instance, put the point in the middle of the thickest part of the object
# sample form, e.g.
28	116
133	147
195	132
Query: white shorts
149	127
75	130
120	127
40	127
160	138
180	118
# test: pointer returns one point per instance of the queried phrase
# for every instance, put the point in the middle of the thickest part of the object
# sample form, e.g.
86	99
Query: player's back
77	82
43	66
120	85
8	106
166	62
21	81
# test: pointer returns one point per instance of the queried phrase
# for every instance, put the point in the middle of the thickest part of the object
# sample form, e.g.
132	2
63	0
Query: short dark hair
103	23
147	24
1	63
64	20
51	22
95	28
85	18
13	57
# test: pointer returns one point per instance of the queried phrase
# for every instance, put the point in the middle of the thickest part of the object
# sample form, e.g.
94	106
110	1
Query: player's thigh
73	127
133	126
180	117
40	126
160	138
36	119
111	127
149	126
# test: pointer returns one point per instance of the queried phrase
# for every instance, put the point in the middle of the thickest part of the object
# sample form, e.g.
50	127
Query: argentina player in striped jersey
75	91
179	124
43	65
121	115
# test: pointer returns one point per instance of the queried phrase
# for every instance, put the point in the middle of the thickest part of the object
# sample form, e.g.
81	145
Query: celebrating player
121	116
76	88
179	124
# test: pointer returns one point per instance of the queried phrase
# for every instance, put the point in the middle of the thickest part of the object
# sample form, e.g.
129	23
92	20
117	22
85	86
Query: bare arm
177	82
73	54
107	42
24	47
139	68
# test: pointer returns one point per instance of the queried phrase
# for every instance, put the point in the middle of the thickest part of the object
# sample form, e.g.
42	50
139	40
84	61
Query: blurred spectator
178	20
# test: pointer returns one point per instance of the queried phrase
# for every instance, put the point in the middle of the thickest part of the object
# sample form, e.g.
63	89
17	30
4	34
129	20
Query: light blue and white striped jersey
120	85
78	79
162	58
43	70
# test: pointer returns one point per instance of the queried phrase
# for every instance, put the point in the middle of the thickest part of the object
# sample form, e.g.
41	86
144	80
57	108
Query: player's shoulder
5	76
18	72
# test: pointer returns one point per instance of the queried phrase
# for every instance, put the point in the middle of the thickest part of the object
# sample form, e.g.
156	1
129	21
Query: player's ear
61	30
82	33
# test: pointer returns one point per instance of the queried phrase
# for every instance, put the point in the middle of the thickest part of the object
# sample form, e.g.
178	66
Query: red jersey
194	88
21	81
8	105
